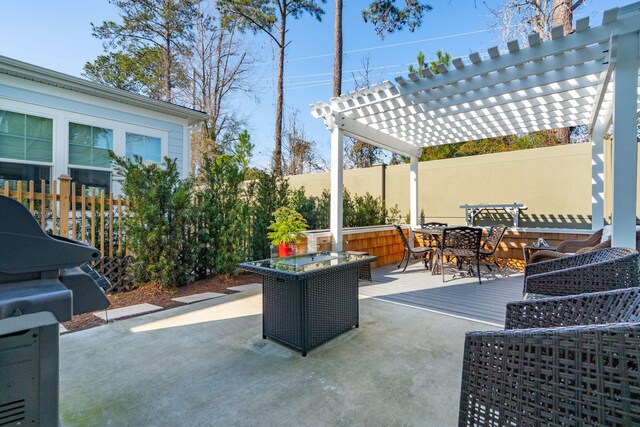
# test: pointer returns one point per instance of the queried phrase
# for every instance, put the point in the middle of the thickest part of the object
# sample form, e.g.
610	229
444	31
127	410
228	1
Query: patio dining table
434	232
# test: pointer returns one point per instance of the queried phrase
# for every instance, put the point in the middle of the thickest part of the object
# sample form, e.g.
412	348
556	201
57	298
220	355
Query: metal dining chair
410	250
431	240
490	245
462	243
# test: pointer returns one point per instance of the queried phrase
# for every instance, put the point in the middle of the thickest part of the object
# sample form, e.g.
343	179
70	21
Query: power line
324	55
344	72
318	83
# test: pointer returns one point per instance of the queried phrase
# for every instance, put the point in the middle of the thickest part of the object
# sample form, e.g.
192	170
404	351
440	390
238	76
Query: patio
207	364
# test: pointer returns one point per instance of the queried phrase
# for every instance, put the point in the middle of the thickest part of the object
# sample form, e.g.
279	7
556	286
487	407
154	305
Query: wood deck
458	296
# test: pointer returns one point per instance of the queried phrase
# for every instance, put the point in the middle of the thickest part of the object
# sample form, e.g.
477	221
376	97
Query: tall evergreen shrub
158	228
267	193
223	211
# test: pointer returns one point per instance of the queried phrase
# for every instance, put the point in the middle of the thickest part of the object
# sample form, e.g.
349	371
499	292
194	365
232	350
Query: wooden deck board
458	296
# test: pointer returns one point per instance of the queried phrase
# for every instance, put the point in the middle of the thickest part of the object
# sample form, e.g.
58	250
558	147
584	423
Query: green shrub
223	211
267	193
158	227
180	229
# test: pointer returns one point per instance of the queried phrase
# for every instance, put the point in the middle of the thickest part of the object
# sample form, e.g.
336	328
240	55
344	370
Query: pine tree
271	17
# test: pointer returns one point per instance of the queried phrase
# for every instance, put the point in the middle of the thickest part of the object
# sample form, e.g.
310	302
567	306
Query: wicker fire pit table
309	299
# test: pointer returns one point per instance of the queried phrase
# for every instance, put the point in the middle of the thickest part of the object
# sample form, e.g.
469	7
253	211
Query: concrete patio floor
207	364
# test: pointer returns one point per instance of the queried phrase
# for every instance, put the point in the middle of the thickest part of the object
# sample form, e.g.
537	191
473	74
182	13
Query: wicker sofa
575	247
593	271
560	361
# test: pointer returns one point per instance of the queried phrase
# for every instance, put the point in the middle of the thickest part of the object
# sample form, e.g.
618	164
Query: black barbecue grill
44	280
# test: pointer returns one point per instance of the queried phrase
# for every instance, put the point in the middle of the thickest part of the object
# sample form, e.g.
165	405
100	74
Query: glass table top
307	262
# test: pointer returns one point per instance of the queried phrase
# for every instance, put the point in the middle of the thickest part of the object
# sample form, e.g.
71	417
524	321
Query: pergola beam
526	71
457	136
370	135
546	84
605	78
515	111
486	109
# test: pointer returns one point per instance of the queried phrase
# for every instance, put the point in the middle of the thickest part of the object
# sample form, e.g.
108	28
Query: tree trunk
562	15
538	22
167	69
337	50
217	89
277	151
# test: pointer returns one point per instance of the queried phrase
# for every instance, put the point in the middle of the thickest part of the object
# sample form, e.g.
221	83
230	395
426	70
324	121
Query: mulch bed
156	295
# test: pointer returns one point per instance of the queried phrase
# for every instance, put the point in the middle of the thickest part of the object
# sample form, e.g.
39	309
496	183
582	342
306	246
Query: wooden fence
87	216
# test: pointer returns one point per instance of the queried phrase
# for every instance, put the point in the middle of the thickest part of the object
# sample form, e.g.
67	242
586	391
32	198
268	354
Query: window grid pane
146	147
89	145
25	137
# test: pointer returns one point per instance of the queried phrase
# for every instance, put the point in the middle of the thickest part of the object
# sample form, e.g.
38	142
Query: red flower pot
285	249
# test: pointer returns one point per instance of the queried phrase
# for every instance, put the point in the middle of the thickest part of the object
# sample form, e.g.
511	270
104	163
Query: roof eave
42	75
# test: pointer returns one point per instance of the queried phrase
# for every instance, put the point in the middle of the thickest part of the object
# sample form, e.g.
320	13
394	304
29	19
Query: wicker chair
570	247
565	361
491	243
594	271
410	250
462	243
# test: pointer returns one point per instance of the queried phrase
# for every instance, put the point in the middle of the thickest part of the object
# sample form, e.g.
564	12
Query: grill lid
26	248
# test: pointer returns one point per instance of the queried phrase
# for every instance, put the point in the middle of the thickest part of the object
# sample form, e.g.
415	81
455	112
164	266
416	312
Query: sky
56	34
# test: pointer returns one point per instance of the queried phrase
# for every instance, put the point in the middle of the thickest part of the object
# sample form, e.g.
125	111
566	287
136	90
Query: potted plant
286	229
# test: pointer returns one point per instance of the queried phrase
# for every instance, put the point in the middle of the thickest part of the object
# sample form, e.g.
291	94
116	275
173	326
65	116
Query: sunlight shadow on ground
249	306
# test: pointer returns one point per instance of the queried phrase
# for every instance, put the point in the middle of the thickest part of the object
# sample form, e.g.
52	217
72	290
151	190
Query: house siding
64	106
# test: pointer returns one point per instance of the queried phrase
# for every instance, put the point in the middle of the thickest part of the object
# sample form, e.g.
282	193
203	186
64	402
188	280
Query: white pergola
589	77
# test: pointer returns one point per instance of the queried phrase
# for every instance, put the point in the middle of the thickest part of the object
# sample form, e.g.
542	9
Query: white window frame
37	113
153	133
61	118
93	125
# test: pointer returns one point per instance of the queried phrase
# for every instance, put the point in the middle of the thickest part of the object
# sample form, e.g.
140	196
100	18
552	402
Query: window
25	137
146	147
14	172
89	145
100	180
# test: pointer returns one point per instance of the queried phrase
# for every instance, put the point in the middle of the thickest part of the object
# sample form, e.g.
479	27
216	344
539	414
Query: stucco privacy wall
356	181
554	182
30	97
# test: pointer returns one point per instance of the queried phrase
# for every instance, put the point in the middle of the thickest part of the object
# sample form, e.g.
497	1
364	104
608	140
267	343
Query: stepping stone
198	297
244	288
117	313
62	329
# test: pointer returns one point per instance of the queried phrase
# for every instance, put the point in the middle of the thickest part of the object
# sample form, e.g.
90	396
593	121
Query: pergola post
413	191
337	147
597	177
625	147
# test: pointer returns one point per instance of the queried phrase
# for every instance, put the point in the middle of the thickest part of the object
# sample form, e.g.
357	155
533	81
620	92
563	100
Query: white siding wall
65	106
